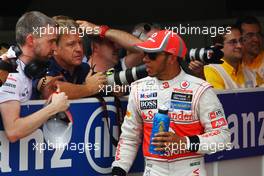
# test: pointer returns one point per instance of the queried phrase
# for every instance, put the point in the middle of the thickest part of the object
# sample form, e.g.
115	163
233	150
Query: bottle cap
163	110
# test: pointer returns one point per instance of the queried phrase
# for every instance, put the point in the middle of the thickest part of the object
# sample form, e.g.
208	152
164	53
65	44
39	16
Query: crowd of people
243	58
71	73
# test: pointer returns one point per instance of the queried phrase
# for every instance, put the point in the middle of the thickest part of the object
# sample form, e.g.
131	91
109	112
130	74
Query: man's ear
30	40
55	52
94	47
172	59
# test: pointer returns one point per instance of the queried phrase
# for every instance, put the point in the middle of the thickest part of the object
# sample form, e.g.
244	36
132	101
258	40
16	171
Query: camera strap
119	113
119	116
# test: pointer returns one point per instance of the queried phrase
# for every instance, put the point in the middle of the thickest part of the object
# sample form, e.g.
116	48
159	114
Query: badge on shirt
148	104
181	97
181	105
147	95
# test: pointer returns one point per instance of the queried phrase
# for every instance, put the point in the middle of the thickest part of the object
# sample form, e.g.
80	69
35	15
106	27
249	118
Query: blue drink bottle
161	123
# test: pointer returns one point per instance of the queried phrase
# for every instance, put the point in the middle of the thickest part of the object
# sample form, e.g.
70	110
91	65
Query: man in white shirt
35	37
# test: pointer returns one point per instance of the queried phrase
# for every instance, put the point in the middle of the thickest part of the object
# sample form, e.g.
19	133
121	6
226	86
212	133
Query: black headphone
35	69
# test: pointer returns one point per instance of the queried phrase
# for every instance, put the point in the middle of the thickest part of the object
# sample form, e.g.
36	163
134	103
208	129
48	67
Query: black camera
127	76
13	53
35	69
10	67
207	55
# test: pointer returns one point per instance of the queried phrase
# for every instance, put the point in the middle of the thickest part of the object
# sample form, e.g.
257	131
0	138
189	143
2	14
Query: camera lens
206	55
127	76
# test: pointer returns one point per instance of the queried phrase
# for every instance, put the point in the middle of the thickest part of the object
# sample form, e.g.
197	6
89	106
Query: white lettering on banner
261	133
106	140
248	125
98	140
4	153
234	130
23	151
246	119
56	161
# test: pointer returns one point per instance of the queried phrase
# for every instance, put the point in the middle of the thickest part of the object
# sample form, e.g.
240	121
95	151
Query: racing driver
197	121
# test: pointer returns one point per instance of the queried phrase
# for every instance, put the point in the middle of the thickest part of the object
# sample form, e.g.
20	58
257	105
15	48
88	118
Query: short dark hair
99	40
247	20
30	21
219	39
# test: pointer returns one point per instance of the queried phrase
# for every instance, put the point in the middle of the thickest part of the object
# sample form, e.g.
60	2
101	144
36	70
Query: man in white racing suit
197	120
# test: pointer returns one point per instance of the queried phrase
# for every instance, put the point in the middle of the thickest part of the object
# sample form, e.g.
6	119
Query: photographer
18	87
67	62
229	74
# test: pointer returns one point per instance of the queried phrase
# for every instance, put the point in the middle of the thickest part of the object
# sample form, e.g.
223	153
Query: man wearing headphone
36	37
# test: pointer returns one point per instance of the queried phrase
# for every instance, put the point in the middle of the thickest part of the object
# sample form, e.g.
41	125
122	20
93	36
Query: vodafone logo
184	84
154	35
165	85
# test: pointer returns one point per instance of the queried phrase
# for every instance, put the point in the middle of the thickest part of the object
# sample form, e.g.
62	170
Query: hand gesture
60	101
95	82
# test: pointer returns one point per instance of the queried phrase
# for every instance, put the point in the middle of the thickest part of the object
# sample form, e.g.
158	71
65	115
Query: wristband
103	30
194	143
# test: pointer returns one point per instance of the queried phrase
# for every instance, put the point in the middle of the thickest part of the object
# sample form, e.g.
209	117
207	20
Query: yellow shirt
214	78
258	66
257	62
